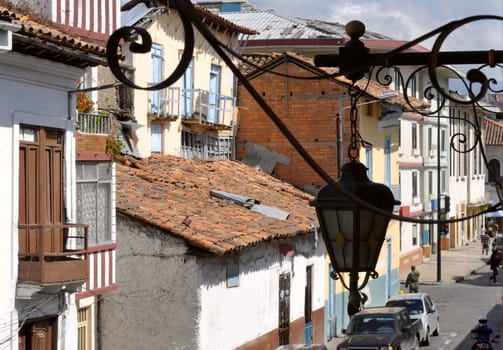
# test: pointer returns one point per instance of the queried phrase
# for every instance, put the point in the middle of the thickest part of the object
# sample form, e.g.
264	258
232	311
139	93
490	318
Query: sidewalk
456	264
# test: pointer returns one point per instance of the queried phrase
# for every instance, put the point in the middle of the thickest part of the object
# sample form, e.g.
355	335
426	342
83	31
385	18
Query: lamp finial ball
355	29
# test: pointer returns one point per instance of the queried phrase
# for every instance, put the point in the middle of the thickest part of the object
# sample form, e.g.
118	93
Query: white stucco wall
170	298
34	92
157	303
233	316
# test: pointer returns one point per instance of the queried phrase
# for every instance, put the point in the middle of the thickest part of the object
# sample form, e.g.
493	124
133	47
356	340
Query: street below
460	305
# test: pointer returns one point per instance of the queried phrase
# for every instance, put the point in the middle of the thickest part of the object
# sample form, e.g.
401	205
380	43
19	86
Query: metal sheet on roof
132	16
271	25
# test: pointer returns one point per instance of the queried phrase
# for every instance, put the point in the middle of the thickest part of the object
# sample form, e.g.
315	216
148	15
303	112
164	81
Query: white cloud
407	20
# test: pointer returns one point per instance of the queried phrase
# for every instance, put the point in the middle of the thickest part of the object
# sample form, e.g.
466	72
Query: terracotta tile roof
494	132
43	39
174	194
373	89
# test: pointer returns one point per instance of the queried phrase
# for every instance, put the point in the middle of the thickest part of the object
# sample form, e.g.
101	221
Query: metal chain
353	118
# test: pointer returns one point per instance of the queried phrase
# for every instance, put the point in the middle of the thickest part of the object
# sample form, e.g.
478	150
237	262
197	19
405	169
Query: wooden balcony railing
52	254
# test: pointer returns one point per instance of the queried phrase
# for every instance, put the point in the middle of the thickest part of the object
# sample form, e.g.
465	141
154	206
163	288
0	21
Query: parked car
381	328
422	307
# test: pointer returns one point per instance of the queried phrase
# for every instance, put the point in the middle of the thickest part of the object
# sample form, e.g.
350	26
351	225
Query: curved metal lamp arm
189	17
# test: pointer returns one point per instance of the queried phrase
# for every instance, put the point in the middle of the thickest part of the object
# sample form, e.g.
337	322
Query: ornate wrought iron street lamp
353	234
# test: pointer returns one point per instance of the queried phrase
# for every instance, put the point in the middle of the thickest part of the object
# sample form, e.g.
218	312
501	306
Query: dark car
381	328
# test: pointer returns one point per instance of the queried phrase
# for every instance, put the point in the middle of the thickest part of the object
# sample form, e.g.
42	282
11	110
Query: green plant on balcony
114	146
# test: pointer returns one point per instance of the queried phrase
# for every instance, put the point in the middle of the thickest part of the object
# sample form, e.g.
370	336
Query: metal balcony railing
196	104
97	124
51	254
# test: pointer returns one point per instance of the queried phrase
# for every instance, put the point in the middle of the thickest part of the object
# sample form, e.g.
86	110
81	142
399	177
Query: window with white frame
368	161
414	136
387	161
430	141
232	274
94	200
430	183
414	184
84	328
413	86
397	78
443	181
442	140
155	95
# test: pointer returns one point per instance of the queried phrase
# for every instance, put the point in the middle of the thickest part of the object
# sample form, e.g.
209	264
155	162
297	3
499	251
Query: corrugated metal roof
272	25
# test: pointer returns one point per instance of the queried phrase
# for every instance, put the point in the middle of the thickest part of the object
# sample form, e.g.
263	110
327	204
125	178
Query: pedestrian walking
494	262
484	239
412	281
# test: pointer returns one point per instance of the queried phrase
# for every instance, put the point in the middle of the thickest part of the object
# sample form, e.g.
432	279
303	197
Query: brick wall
308	108
91	147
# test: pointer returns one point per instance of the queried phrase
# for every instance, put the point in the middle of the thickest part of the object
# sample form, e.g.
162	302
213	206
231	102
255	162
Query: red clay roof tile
174	194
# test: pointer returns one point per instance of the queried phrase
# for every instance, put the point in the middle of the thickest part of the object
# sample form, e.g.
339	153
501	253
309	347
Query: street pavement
456	264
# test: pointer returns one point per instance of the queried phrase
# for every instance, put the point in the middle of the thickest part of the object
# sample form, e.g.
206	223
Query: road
460	304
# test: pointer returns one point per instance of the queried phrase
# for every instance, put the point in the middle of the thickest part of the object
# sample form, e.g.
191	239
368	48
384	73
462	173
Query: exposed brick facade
309	110
91	147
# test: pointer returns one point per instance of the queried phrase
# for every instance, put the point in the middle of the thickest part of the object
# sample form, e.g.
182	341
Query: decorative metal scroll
357	63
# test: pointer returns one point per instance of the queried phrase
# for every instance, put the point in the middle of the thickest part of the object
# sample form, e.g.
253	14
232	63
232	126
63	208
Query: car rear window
371	325
415	307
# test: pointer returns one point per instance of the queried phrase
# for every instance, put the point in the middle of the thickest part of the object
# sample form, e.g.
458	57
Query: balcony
95	124
52	254
193	105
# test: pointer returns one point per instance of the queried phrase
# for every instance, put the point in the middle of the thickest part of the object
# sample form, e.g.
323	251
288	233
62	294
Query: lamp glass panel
339	225
374	240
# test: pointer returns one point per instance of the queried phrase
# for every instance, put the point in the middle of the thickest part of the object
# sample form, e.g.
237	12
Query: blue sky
407	19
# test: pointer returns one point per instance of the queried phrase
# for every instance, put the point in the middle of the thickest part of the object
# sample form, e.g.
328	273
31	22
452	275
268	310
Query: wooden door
284	309
40	189
39	335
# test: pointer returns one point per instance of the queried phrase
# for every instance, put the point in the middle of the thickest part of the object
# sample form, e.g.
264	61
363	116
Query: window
414	184
414	136
430	140
430	183
232	274
155	95
493	169
156	138
413	86
203	146
368	161
397	79
214	96
84	328
94	200
442	140
188	91
387	161
443	181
